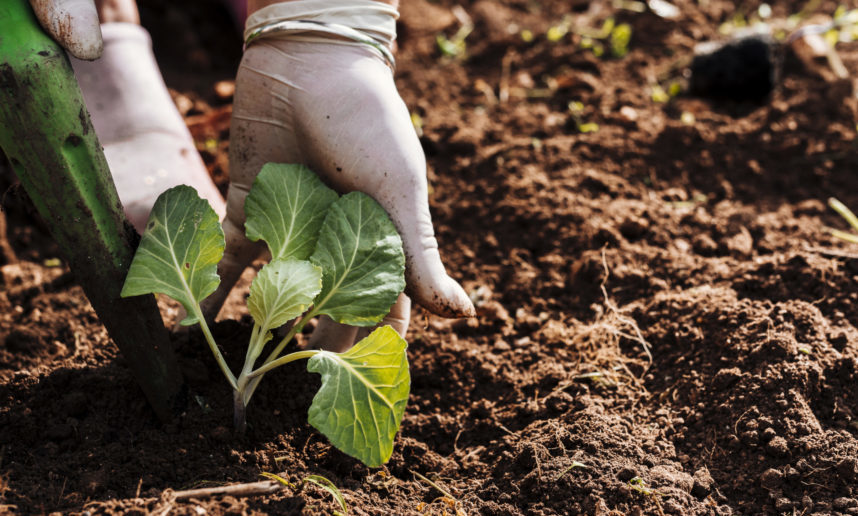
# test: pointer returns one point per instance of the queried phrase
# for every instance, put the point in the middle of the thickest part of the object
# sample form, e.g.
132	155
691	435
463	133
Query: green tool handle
47	135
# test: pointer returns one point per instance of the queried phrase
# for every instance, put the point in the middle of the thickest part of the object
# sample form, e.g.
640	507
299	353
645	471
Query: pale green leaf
285	208
179	252
282	291
363	395
361	255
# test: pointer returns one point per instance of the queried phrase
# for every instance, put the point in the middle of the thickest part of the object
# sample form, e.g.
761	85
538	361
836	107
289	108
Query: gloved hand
332	105
73	24
146	143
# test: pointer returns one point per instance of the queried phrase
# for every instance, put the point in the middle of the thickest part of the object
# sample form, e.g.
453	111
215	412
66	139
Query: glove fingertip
74	25
443	297
86	52
82	38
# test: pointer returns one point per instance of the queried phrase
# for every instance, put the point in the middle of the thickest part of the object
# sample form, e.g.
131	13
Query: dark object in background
741	69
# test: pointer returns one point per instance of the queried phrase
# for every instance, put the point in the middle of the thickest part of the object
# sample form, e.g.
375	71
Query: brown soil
665	325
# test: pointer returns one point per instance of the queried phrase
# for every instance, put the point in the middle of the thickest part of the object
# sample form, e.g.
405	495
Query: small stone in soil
702	483
848	468
778	447
783	504
771	479
671	507
843	503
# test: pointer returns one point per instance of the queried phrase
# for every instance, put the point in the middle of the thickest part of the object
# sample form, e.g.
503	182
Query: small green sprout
451	501
576	108
575	464
611	36
331	255
850	218
674	89
640	486
318	481
658	95
621	36
557	32
455	46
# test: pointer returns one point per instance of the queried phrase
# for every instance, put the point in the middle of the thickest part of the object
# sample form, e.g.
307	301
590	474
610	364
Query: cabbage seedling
331	255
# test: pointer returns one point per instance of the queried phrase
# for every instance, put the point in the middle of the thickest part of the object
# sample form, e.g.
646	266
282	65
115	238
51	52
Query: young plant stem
239	417
296	328
240	398
291	357
215	350
249	379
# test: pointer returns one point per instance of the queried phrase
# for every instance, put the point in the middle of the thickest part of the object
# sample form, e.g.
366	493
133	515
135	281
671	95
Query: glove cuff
350	22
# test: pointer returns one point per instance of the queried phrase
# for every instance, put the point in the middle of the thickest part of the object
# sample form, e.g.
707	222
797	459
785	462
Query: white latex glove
334	108
73	24
147	144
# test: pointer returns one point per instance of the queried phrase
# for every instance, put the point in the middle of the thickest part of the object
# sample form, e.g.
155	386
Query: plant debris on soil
665	325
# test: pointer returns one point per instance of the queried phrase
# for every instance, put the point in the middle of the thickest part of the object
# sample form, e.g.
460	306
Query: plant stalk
296	328
255	378
215	350
248	380
291	357
239	418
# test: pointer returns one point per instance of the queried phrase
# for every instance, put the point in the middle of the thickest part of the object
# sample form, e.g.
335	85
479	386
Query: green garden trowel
47	136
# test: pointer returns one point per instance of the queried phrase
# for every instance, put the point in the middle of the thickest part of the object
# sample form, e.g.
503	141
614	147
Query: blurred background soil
665	325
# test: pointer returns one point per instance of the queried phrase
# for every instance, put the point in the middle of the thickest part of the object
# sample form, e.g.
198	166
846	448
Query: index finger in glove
73	24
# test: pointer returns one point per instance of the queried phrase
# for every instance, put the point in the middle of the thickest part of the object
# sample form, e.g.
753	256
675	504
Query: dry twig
250	489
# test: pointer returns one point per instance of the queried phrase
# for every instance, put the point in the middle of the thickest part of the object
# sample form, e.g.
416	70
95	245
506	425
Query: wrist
117	11
255	5
366	23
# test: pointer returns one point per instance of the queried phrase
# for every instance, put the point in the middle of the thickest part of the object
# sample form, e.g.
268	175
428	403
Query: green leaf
363	395
282	291
179	252
361	255
285	208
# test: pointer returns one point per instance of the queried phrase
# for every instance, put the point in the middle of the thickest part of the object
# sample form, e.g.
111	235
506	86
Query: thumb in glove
73	24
